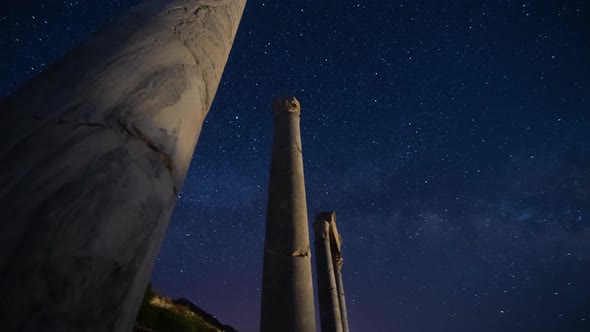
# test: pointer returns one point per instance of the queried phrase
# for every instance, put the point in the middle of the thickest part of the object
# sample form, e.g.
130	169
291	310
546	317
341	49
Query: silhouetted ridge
205	315
159	313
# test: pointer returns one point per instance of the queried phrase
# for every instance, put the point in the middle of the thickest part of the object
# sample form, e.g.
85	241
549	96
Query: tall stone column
330	317
93	154
340	286
287	290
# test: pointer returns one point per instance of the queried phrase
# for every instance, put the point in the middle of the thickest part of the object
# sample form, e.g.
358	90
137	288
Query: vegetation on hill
160	314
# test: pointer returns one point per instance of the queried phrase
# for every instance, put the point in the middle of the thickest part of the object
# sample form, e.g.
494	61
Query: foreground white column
93	153
287	288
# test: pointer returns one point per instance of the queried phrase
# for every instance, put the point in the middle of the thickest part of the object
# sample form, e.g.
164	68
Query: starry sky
452	138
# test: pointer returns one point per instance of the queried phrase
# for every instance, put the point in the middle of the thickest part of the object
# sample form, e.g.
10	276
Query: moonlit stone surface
93	154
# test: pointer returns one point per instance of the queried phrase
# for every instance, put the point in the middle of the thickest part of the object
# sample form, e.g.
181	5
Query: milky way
452	138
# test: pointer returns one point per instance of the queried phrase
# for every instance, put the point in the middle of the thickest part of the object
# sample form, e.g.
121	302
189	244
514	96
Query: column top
285	104
329	217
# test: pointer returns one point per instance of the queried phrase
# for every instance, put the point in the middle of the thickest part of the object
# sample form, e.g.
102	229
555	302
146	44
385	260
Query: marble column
93	154
287	289
340	286
330	318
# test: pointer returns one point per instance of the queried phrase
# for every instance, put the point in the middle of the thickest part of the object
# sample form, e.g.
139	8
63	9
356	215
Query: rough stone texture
287	288
93	153
330	318
329	265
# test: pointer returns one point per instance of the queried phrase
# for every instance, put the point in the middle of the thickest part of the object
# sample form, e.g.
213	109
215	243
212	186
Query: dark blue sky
452	138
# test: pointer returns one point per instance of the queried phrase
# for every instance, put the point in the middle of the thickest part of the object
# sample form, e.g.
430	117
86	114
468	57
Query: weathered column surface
338	270
287	290
330	318
93	153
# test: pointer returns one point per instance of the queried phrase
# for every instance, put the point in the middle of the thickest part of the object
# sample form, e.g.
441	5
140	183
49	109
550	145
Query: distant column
328	243
287	288
331	320
93	154
338	270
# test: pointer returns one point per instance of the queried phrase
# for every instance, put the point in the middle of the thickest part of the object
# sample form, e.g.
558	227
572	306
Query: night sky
452	138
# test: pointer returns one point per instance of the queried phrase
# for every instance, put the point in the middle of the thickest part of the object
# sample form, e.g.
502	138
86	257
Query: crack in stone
150	144
200	8
296	147
197	14
198	63
81	123
296	253
185	43
176	9
283	172
133	132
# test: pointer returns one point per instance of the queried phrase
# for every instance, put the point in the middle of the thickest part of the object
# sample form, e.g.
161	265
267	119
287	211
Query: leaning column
330	318
93	154
287	290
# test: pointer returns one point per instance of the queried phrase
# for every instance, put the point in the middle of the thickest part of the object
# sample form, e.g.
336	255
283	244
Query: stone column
342	301
287	290
330	318
93	154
